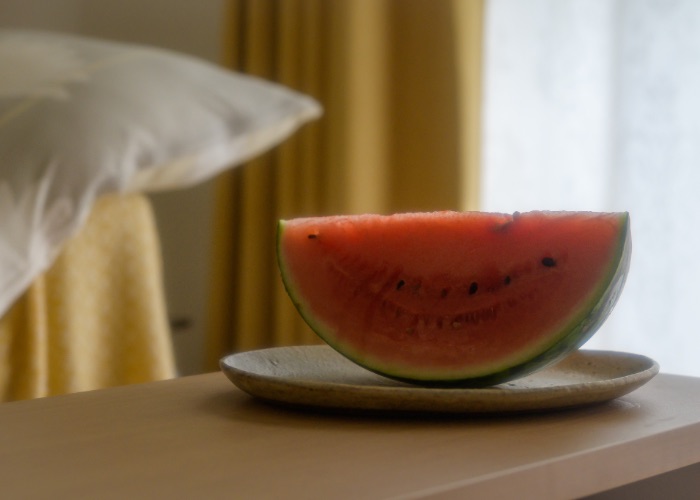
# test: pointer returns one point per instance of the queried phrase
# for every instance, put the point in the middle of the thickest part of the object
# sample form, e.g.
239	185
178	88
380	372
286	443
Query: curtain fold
400	84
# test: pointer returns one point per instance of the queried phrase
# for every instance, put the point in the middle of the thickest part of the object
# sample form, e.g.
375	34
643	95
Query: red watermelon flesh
467	298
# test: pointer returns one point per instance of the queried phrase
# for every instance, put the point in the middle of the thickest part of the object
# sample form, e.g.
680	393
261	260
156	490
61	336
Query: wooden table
200	437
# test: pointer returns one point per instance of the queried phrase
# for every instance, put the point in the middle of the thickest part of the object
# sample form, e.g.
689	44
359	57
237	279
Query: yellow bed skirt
97	318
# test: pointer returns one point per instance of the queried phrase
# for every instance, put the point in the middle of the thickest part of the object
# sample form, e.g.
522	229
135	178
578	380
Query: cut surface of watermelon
463	298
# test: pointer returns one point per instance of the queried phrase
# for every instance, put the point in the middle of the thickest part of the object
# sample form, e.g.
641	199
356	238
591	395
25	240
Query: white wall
184	217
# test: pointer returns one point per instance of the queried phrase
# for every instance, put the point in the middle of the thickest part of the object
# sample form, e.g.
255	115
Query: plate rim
455	399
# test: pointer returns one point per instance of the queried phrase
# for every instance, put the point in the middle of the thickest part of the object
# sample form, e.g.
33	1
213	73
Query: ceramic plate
319	377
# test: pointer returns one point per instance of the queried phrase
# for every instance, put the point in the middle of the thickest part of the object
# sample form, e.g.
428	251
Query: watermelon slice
455	298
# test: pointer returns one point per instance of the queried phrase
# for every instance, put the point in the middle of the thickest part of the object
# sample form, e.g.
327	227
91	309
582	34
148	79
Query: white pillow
80	118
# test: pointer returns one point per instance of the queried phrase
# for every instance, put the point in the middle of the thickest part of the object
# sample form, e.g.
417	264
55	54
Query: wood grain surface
199	436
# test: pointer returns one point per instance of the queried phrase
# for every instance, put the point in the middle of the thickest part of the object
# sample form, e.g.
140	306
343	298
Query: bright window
595	105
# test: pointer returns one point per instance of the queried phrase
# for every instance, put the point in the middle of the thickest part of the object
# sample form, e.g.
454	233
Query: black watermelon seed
400	284
473	288
313	236
549	262
507	280
444	293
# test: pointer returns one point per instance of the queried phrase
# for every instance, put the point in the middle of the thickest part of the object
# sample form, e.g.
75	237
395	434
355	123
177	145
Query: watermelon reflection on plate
469	299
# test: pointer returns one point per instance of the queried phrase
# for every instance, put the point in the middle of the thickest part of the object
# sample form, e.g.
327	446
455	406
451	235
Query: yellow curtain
97	317
400	84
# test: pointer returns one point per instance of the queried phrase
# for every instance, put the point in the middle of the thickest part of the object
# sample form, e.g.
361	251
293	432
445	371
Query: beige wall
190	26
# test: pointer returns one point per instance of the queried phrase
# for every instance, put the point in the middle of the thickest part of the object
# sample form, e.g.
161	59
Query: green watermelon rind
577	332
